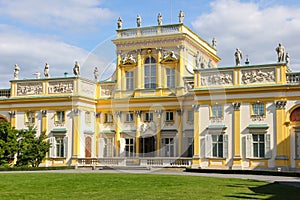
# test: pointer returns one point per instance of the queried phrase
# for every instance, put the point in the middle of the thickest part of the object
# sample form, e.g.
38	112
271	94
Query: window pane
255	150
262	150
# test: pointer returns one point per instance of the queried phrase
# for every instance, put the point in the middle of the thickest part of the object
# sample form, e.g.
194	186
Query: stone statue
46	70
198	60
181	16
16	71
120	23
214	43
76	69
238	56
280	52
159	19
96	73
138	21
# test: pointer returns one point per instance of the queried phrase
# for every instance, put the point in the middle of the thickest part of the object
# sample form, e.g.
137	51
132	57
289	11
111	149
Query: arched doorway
295	115
88	147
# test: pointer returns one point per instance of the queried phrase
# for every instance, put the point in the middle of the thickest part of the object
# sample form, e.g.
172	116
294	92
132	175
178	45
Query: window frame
170	77
108	118
190	117
30	118
255	111
219	109
169	116
129	80
131	117
149	116
150	70
60	117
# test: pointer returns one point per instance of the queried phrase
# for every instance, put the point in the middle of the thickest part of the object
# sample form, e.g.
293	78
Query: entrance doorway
147	147
88	147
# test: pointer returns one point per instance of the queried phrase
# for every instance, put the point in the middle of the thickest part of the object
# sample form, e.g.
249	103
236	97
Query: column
97	131
139	74
44	121
237	135
158	131
12	115
180	113
282	138
180	70
119	71
196	156
118	131
76	136
159	69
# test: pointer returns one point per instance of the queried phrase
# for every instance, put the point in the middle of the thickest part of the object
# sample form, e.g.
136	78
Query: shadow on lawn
276	190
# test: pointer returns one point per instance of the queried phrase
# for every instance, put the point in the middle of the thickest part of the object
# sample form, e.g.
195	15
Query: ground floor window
59	146
168	147
108	147
129	147
216	145
258	146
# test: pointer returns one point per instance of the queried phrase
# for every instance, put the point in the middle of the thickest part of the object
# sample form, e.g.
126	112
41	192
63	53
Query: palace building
168	103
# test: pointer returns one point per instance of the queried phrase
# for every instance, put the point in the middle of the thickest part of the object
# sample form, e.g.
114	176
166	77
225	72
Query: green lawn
90	186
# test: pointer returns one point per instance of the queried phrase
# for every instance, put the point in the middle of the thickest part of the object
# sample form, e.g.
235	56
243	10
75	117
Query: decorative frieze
217	78
58	87
106	90
254	76
29	88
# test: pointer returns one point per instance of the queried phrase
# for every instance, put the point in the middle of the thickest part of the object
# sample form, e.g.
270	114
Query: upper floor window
170	72
148	116
108	118
217	111
129	117
150	73
129	80
258	109
169	116
60	117
29	117
190	116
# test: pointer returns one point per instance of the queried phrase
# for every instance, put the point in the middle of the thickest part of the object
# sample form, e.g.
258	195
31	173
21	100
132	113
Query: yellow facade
167	104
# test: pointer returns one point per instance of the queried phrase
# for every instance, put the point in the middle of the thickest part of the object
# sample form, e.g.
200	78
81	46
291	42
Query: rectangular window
150	76
170	72
60	117
168	147
169	116
148	116
129	80
129	117
60	148
30	118
129	147
217	111
190	116
258	109
108	147
258	145
108	118
217	146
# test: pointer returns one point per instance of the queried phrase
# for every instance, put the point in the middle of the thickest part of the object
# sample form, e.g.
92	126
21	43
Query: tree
31	150
8	143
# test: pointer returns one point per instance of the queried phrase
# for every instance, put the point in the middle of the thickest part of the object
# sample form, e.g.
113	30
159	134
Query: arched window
150	73
295	115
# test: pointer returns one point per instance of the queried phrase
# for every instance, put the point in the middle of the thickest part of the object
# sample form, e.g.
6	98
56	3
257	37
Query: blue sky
33	32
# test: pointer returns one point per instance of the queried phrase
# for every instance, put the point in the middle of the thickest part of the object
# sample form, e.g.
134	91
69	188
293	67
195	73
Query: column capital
280	105
236	106
180	111
44	113
12	113
138	113
196	107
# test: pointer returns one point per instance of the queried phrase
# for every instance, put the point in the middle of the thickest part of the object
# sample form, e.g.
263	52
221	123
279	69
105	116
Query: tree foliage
31	150
8	143
28	149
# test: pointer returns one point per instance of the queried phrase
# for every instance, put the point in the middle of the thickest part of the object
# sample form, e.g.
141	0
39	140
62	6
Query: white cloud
67	14
253	28
31	52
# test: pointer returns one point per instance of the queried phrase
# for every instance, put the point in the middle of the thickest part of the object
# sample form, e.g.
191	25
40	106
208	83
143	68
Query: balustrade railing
293	78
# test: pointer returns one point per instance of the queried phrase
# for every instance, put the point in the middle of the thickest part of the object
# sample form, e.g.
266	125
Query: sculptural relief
33	88
216	78
60	87
106	90
258	76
